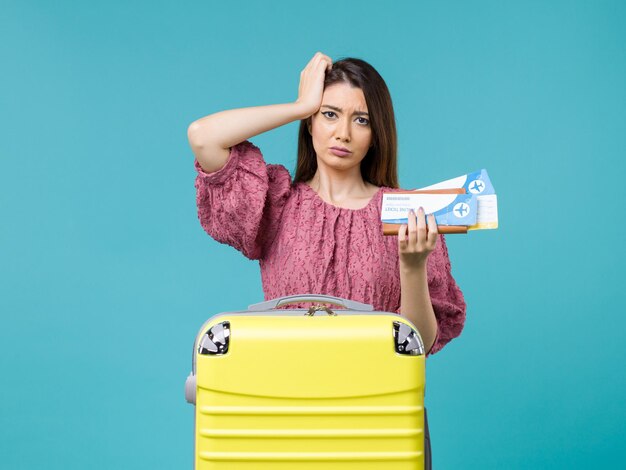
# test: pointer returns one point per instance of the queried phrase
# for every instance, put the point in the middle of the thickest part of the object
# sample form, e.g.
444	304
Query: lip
340	151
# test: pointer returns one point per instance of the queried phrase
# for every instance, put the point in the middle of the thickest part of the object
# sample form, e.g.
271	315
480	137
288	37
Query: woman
321	233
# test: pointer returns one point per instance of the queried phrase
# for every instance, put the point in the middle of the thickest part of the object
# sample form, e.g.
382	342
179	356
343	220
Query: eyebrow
335	108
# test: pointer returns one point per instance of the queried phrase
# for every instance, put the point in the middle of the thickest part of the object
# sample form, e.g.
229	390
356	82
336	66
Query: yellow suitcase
308	388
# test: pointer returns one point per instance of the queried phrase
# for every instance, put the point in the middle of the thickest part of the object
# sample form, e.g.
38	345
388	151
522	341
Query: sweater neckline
347	209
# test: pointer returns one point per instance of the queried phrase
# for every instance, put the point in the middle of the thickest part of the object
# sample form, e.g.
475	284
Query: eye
327	112
364	119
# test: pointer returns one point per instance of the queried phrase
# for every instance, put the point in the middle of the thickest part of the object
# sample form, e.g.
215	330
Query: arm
415	301
241	204
211	137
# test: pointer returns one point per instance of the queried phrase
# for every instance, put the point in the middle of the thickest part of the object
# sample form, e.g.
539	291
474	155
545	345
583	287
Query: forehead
344	96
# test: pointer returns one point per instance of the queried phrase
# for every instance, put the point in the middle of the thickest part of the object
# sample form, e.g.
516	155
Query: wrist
413	267
302	110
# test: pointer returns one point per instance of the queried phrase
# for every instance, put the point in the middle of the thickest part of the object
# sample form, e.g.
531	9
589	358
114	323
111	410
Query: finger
412	225
314	60
421	227
433	231
402	236
326	60
322	64
322	57
315	56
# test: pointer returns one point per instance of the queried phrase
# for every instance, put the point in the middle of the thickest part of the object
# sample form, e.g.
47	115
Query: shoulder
251	159
373	189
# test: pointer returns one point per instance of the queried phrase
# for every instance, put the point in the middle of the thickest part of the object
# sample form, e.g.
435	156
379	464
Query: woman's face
341	121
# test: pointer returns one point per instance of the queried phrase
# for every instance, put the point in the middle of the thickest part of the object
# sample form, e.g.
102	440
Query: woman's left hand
420	242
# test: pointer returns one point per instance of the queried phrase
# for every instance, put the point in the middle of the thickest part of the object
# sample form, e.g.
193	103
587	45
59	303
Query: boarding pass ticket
476	208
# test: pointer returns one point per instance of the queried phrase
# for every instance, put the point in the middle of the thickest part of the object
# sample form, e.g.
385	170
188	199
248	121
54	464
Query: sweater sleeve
446	297
241	203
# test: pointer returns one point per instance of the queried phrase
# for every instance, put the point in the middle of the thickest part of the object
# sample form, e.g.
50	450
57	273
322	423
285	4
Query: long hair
380	164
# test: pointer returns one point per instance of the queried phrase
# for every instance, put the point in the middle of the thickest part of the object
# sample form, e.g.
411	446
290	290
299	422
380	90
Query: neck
337	186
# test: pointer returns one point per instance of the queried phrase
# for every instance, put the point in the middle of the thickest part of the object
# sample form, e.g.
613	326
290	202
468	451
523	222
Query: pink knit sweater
307	246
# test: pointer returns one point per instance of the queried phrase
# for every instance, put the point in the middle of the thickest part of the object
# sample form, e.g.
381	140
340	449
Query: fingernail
421	209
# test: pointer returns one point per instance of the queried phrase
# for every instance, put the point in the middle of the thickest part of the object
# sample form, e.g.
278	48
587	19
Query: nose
342	131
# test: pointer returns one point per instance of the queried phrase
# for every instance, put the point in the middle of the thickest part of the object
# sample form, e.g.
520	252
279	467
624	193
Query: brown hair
380	164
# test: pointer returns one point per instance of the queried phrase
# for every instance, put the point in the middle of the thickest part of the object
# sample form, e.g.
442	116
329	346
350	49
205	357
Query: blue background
106	274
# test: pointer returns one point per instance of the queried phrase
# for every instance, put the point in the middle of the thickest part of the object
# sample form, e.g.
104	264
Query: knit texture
305	245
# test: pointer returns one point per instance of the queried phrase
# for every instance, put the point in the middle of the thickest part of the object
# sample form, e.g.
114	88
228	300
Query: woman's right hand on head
312	83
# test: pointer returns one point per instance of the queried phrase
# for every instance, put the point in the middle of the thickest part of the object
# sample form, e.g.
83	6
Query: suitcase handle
290	299
317	308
